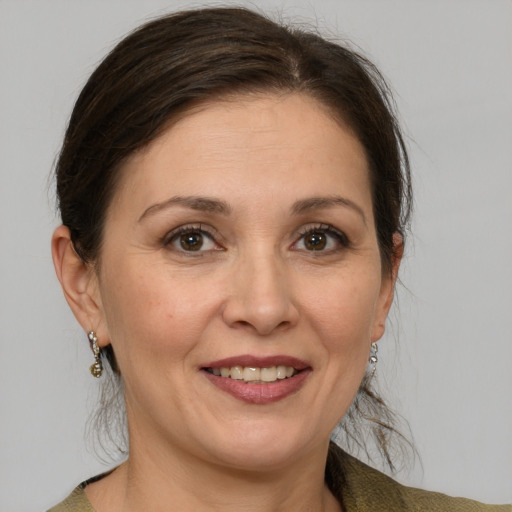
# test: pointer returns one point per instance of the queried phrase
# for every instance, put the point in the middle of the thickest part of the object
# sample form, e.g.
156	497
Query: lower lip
259	393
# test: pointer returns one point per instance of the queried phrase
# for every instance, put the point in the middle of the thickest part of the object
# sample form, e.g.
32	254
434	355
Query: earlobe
79	283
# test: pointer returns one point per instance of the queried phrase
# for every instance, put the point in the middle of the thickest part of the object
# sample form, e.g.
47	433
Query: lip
258	362
259	393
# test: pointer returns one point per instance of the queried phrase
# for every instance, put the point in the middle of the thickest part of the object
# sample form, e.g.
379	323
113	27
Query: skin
255	287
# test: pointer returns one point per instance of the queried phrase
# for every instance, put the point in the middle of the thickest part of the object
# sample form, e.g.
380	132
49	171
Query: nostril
260	310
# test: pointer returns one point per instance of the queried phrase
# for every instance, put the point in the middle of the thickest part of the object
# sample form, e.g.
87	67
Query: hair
171	64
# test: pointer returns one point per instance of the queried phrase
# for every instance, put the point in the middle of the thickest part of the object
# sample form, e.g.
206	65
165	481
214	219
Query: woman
234	197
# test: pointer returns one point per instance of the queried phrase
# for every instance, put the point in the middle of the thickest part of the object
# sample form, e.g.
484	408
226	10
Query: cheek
343	317
150	313
344	311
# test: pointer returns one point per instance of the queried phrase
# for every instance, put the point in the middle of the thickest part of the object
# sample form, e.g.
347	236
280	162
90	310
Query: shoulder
366	489
76	502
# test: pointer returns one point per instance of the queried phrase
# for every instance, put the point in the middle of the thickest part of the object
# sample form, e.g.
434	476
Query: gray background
450	63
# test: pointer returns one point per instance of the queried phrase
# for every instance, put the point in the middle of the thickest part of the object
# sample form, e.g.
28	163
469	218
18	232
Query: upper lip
247	360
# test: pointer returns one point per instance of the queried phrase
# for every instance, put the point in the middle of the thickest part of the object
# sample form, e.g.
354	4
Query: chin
266	447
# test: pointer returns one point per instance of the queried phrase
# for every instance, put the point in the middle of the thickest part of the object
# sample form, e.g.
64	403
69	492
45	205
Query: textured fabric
359	488
76	502
367	490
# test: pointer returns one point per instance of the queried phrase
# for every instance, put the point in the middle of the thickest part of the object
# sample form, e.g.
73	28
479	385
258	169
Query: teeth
281	372
236	372
269	374
253	374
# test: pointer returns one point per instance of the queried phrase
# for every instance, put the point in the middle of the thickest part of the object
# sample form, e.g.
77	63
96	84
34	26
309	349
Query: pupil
191	241
315	241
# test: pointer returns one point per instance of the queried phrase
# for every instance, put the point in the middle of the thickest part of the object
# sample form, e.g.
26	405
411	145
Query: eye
191	239
321	238
315	241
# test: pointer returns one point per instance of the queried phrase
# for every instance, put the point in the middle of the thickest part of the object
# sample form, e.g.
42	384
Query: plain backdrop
445	362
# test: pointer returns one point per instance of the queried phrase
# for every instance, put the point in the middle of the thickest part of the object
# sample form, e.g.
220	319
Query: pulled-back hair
171	64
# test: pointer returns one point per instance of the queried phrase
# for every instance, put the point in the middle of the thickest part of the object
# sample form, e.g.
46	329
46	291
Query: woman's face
241	245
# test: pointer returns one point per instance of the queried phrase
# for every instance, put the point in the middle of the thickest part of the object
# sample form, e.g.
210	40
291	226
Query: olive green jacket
359	488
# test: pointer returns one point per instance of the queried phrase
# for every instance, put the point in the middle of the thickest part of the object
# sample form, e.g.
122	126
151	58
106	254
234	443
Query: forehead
257	145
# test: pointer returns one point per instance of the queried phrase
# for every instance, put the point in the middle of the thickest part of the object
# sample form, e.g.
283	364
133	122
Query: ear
387	289
79	283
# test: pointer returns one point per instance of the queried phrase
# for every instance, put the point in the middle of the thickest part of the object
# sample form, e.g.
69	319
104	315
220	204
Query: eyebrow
212	205
319	203
204	204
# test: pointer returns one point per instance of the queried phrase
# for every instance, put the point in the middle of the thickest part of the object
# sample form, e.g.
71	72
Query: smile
258	380
255	375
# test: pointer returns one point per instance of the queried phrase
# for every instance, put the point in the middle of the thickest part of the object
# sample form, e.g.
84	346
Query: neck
161	481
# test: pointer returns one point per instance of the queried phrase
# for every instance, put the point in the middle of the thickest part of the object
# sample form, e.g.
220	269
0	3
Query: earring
96	368
373	359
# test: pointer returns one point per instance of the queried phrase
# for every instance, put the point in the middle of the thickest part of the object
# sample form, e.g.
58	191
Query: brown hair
171	64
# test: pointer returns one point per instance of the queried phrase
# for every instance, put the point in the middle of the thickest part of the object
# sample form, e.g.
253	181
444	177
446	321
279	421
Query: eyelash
325	229
174	235
209	233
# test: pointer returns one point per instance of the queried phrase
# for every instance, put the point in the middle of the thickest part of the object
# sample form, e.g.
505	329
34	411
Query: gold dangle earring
373	360
96	368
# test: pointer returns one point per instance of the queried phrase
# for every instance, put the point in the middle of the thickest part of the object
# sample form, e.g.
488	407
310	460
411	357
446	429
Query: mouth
258	380
254	374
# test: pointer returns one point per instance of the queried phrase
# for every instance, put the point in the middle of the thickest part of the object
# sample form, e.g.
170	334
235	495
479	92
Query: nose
260	296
